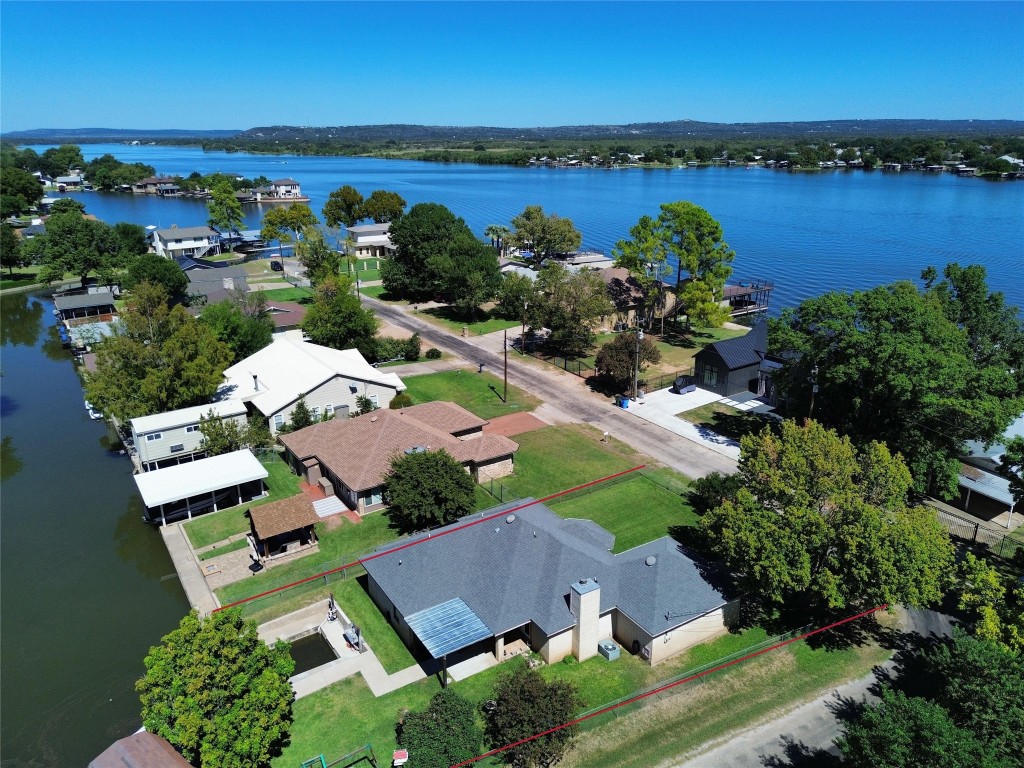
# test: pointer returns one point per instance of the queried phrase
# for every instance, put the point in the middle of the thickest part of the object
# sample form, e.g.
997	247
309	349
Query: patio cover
448	627
988	485
194	478
283	516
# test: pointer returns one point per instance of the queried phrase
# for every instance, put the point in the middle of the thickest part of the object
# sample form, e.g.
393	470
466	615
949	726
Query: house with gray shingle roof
354	455
178	242
522	577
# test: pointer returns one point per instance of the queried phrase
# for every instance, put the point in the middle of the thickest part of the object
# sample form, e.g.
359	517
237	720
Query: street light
814	389
636	370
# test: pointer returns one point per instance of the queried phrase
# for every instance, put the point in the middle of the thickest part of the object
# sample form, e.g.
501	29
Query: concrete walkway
662	406
189	572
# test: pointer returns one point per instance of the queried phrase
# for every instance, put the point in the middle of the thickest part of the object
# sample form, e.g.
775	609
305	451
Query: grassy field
18	277
378	292
676	346
637	509
726	420
449	319
289	294
234	546
217	526
345	715
479	393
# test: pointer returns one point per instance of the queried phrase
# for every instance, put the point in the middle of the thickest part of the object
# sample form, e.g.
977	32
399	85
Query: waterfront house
140	750
370	241
272	380
353	456
285	188
204	485
984	490
627	296
529	580
741	364
151	184
64	183
217	284
165	439
92	305
193	242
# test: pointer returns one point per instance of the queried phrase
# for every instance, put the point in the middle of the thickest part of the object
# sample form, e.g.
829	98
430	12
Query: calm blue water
806	232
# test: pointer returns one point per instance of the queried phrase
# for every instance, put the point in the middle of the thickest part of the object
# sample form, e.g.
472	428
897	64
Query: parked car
277	266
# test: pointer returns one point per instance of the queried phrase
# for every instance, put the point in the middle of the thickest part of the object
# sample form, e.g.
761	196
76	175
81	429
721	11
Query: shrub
433	354
412	348
399	401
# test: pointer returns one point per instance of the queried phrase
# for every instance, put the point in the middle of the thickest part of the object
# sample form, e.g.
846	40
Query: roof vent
373	419
497	530
651	560
583	582
510	519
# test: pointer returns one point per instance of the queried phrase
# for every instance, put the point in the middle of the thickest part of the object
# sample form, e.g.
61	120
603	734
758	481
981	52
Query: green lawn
676	346
378	292
343	716
234	546
479	393
217	526
338	547
553	459
636	509
450	319
19	277
726	420
289	294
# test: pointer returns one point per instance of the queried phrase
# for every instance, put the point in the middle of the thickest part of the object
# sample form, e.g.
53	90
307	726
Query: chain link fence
998	543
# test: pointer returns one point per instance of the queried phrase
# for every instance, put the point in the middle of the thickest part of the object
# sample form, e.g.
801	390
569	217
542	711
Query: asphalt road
811	729
568	394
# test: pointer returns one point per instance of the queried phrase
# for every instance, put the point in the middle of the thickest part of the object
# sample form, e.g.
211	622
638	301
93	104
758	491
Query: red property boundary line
429	537
666	687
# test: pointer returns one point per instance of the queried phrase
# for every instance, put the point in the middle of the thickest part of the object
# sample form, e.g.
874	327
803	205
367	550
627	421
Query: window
178	448
315	412
154	436
373	399
329	410
710	376
278	420
192	428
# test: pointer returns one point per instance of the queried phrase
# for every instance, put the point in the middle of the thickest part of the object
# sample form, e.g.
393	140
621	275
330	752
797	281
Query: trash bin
625	403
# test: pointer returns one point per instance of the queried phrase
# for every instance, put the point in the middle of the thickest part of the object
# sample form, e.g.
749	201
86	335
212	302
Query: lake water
87	587
807	232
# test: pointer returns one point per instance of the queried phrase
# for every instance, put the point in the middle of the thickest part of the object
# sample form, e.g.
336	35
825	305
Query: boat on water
95	415
88	406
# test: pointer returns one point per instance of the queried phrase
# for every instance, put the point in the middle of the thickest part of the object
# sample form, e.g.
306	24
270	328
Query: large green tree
19	191
817	524
994	603
225	210
319	259
382	206
468	274
514	295
645	255
227	435
890	365
911	732
571	304
11	255
619	358
158	359
694	238
218	693
426	489
151	268
543	235
338	319
422	239
442	735
527	704
343	207
287	223
107	172
76	245
241	321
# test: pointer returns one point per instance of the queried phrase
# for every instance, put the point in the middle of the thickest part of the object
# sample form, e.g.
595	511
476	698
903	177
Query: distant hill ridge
676	129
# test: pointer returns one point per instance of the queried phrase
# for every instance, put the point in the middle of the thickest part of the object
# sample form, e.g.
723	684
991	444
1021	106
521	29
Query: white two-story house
271	381
370	241
165	439
190	242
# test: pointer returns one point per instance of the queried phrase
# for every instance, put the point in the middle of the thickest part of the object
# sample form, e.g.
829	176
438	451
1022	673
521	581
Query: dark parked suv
277	266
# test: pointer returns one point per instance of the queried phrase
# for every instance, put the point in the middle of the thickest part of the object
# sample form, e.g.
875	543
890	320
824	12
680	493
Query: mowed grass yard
726	420
343	716
479	393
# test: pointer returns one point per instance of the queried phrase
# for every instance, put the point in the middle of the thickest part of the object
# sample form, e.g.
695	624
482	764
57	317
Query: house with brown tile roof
354	455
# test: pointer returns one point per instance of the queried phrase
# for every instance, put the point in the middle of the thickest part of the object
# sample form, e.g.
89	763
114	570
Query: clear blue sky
245	64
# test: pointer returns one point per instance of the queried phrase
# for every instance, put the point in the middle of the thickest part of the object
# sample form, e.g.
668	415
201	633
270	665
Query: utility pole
505	350
636	369
522	339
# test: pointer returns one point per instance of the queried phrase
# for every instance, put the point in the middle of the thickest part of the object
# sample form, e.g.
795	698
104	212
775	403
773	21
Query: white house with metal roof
178	242
271	381
521	577
981	480
205	485
165	439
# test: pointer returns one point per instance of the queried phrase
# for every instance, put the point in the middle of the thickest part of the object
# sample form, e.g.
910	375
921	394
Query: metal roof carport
988	485
202	478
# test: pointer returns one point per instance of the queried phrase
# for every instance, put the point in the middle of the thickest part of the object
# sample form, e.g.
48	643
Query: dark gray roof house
738	365
218	283
521	576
